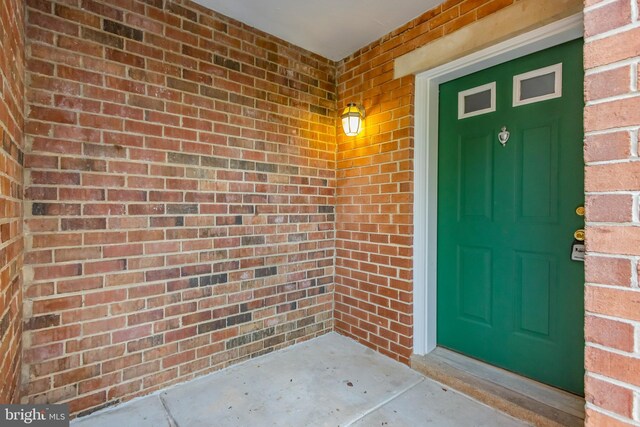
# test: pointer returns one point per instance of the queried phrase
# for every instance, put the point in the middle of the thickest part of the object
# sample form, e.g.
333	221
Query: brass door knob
579	235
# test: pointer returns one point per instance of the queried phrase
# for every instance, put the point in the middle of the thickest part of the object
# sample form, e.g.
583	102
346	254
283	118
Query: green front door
508	291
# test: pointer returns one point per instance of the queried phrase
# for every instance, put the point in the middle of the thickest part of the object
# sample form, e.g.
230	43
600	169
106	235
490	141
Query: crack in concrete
172	421
384	402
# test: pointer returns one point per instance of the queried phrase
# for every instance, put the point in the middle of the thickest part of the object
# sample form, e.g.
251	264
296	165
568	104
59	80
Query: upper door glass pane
477	100
537	85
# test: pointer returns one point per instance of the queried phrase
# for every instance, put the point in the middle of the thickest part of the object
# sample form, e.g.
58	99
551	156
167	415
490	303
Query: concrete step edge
505	400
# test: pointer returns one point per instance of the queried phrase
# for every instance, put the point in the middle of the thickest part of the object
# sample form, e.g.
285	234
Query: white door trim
425	206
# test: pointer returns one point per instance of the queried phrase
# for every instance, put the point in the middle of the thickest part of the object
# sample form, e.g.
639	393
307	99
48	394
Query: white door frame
425	208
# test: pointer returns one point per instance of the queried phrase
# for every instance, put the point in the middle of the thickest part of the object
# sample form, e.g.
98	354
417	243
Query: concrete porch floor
328	381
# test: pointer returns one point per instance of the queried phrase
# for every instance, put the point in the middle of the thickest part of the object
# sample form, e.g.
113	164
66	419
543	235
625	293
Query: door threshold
520	397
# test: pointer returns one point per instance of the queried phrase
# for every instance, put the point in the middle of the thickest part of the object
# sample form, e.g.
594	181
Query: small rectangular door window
477	100
537	85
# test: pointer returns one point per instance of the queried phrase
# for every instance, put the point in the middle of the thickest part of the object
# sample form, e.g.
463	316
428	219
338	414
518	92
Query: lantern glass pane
351	124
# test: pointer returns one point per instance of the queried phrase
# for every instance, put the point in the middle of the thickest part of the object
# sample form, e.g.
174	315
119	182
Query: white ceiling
331	28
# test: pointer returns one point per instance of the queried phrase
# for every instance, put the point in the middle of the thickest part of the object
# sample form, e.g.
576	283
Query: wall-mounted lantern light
352	118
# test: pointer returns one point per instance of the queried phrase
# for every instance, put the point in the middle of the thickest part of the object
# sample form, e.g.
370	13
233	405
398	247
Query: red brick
140	370
608	83
180	334
52	23
178	359
621	303
609	208
76	375
608	271
609	396
56	304
613	365
609	333
622	240
617	47
598	177
124	389
55	334
82	403
98	383
103	353
598	419
613	114
131	333
38	354
607	17
609	146
104	297
105	266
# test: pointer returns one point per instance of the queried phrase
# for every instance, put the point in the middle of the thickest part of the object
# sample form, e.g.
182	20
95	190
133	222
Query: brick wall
612	297
180	180
11	161
374	235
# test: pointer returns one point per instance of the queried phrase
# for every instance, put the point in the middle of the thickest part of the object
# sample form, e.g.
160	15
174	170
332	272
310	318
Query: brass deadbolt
579	235
580	211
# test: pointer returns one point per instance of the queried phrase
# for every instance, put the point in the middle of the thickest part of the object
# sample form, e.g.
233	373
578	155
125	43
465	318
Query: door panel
508	292
476	176
474	284
536	278
537	174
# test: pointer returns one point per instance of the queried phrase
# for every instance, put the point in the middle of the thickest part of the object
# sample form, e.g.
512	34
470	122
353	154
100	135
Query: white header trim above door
425	206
